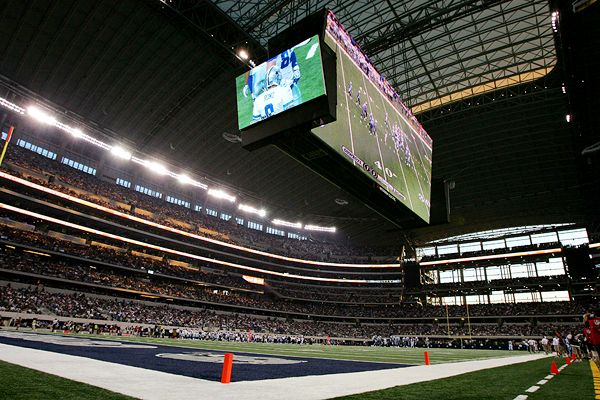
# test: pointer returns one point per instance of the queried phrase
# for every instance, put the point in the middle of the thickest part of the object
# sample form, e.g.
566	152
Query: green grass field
413	181
503	383
18	383
352	353
311	82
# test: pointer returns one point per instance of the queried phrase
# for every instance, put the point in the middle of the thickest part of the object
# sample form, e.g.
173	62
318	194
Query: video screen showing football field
286	80
370	131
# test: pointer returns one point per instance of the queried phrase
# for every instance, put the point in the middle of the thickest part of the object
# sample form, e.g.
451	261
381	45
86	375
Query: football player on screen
290	72
255	83
275	99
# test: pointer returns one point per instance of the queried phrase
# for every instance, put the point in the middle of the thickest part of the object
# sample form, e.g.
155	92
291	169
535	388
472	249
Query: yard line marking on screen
375	135
311	51
408	195
347	104
384	96
415	168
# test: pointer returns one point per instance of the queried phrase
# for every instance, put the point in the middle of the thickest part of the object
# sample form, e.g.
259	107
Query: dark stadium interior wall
512	162
580	51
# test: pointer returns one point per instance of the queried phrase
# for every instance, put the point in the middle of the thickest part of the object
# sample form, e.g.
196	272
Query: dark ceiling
160	78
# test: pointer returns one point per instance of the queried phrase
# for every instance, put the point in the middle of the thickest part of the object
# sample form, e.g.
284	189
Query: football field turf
505	382
502	383
352	353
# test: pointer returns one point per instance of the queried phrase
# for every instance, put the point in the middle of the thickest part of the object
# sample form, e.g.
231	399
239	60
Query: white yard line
149	384
532	389
312	50
408	195
542	382
521	397
347	103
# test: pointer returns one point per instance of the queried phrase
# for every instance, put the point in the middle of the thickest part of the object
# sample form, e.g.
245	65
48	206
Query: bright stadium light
297	225
318	228
76	132
568	117
219	194
40	115
11	106
555	16
244	207
156	167
120	152
184	179
243	54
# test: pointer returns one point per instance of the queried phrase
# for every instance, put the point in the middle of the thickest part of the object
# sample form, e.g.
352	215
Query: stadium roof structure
484	77
432	51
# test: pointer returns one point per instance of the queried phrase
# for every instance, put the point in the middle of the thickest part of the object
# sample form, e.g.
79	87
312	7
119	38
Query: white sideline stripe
542	382
521	397
549	377
533	389
150	384
312	51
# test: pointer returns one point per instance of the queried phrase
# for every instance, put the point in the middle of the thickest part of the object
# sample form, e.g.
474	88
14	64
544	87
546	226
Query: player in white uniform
275	99
289	71
256	81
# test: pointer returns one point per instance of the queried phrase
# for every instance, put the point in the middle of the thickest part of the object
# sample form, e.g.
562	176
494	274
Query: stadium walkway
149	384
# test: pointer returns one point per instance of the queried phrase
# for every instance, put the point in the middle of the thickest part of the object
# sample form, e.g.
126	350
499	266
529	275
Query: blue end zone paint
171	362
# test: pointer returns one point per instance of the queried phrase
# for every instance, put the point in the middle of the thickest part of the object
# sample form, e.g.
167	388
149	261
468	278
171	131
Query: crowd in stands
123	258
514	249
76	183
78	272
210	325
154	284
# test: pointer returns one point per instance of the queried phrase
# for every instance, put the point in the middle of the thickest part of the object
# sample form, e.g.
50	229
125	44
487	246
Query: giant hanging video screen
285	81
374	130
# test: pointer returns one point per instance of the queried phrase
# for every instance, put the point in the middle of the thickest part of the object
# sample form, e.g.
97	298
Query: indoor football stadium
300	199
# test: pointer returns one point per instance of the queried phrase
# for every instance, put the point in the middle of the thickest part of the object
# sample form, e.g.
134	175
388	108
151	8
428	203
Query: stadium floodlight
244	207
220	194
568	117
120	152
156	167
243	54
39	115
297	225
11	106
253	279
555	16
76	132
318	228
184	179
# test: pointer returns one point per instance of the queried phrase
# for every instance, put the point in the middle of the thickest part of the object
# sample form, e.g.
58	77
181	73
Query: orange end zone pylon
227	366
426	354
568	360
554	369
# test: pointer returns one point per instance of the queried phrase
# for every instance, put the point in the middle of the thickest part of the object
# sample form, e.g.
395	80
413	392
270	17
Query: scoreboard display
374	130
287	80
345	121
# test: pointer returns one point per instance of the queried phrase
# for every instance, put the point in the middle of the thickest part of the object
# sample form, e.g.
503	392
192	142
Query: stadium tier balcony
24	304
60	177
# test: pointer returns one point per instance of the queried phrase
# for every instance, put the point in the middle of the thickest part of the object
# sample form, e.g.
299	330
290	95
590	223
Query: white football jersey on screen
273	101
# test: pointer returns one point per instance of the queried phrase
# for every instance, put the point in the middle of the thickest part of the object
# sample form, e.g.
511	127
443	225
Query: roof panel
441	31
